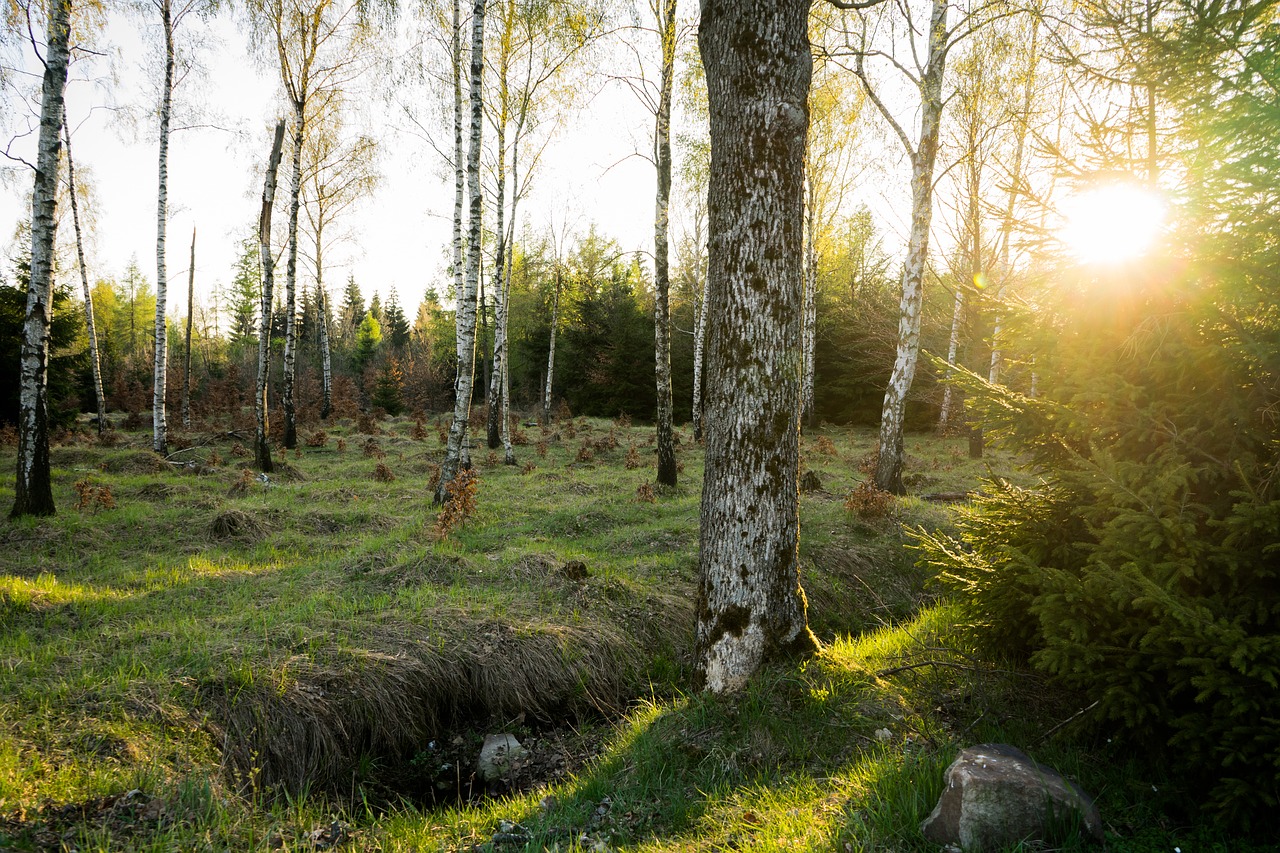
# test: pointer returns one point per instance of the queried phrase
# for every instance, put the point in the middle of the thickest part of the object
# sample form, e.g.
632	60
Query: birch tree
191	310
923	70
751	608
316	46
340	170
466	343
160	374
95	356
33	490
664	13
261	450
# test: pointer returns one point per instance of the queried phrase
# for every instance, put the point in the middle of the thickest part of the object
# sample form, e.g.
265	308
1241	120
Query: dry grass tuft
235	524
826	446
459	503
632	461
372	449
586	452
383	474
645	493
319	438
241	487
866	501
419	431
92	496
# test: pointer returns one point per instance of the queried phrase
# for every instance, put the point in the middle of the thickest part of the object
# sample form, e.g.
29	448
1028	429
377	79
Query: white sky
399	236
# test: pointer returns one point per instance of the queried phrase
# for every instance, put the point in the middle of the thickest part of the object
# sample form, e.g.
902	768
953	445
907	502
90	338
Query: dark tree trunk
751	609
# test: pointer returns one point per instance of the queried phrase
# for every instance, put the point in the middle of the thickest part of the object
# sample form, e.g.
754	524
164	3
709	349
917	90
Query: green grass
254	688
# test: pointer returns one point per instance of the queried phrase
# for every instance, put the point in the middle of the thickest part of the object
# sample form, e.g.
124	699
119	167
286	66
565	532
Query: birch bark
291	270
808	332
159	421
699	350
465	380
95	358
33	490
191	307
551	349
496	399
751	608
665	13
923	155
261	450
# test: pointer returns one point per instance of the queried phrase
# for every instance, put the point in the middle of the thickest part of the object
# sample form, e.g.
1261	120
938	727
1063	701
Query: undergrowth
222	661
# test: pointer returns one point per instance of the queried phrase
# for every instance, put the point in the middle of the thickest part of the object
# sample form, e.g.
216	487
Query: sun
1112	223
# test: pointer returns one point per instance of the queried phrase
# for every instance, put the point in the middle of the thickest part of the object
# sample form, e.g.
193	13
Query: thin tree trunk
1015	184
322	310
291	279
551	350
465	382
699	349
159	420
665	12
33	491
261	450
808	332
191	307
495	398
893	415
509	451
95	358
750	607
953	349
459	166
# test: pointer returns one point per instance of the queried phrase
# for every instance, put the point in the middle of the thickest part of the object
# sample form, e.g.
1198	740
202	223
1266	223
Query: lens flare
1112	223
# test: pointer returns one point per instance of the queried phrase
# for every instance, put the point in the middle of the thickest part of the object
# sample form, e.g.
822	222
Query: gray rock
498	755
997	796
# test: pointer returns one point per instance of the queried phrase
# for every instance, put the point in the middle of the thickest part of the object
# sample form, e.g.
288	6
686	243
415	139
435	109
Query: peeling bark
191	308
699	350
159	419
464	383
261	450
665	11
751	609
924	155
33	491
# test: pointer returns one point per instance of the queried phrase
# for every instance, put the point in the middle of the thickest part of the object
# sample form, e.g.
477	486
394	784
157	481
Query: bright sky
399	236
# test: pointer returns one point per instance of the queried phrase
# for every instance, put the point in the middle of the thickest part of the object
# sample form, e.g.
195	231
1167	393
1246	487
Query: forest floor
193	657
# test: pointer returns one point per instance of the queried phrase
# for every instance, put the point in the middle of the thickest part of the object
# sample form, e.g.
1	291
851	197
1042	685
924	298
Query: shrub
342	445
868	502
383	474
90	495
645	493
826	446
632	460
372	449
419	432
586	452
459	502
319	438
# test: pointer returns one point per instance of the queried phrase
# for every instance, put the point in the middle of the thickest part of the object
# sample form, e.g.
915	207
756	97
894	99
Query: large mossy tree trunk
751	609
33	491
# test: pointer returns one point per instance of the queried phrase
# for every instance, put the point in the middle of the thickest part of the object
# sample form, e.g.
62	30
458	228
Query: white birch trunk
261	450
159	420
751	609
665	12
95	358
33	490
888	475
495	398
191	308
699	348
808	332
464	382
459	166
291	277
508	449
551	349
326	360
953	349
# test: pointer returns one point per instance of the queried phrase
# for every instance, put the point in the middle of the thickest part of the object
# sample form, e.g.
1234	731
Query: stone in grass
498	756
997	796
